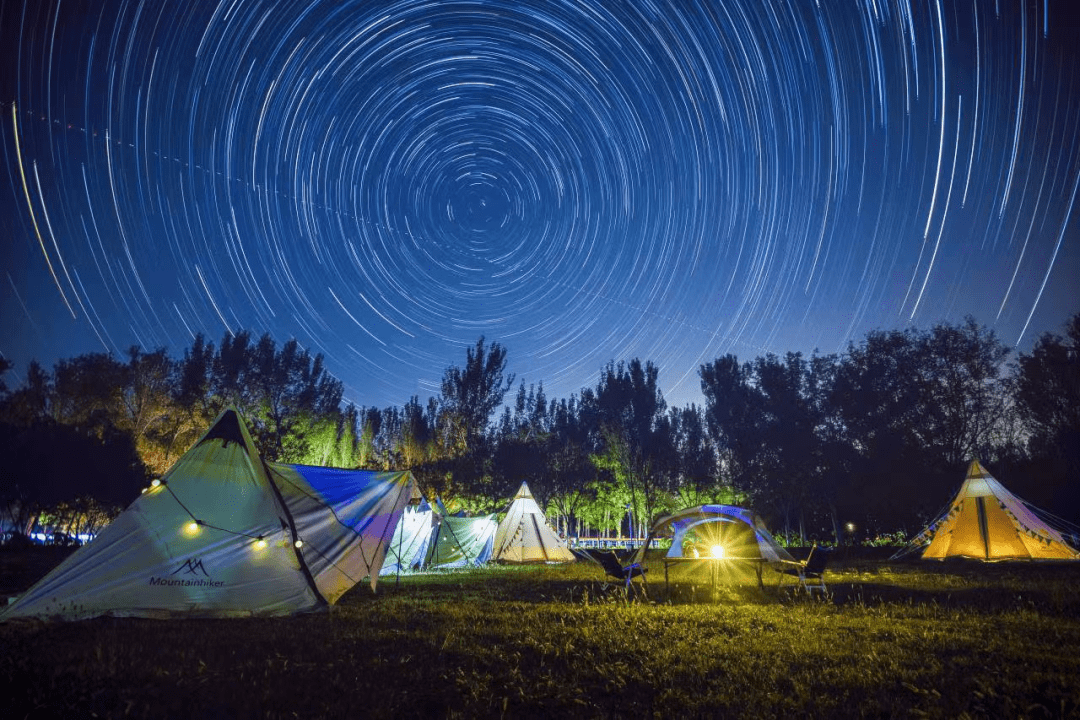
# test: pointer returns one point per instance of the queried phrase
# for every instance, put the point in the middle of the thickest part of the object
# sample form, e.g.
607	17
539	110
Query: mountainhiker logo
191	566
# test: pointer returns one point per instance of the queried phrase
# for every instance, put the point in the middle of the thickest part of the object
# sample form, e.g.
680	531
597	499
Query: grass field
909	640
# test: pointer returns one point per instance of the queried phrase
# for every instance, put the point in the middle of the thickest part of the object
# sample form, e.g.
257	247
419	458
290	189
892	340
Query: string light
299	543
260	543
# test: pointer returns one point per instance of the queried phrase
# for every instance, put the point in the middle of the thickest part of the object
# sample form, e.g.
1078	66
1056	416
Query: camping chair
624	573
810	575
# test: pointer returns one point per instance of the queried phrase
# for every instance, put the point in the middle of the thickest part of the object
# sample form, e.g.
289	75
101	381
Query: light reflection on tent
719	535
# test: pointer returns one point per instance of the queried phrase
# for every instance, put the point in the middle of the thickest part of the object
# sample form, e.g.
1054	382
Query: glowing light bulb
156	483
299	543
717	551
260	544
192	528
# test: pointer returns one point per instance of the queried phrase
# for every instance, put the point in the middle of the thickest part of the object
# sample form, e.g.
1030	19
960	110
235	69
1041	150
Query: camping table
758	563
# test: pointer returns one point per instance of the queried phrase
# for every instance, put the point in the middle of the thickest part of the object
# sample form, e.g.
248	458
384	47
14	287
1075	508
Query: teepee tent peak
225	534
524	536
978	481
987	522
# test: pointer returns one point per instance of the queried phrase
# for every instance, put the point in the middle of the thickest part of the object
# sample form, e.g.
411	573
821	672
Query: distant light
717	551
850	527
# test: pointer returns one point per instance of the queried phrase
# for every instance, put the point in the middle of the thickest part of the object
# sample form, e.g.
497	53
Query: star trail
579	181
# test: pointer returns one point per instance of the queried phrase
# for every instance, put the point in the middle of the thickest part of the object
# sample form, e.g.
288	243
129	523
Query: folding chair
624	573
810	575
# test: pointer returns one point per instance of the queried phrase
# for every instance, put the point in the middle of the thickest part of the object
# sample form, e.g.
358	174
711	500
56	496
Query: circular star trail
578	181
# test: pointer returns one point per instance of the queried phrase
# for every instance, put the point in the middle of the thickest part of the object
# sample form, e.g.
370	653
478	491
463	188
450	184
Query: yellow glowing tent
987	522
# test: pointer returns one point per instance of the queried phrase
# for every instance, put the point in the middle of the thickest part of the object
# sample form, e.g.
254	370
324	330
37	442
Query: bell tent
225	534
987	522
717	531
524	536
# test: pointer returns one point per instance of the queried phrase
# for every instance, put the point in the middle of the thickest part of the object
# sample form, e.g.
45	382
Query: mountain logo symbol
191	566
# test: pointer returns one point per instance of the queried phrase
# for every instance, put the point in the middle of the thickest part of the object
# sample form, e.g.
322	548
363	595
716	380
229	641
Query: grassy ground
893	640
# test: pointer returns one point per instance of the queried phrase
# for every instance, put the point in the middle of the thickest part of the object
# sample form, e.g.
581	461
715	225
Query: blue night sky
579	181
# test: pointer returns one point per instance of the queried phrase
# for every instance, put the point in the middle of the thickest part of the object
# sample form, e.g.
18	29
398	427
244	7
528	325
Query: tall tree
293	392
964	394
470	395
734	416
790	451
636	436
31	402
146	405
1047	394
87	392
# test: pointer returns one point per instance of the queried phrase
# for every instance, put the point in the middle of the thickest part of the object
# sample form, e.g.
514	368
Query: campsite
241	581
906	639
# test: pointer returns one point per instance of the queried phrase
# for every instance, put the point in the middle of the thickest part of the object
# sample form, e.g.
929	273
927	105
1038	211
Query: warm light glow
156	483
192	528
260	544
299	543
717	551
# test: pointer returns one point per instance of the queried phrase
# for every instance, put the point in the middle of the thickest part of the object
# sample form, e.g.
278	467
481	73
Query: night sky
578	181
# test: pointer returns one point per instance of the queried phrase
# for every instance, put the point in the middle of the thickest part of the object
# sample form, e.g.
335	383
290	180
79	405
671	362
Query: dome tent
700	530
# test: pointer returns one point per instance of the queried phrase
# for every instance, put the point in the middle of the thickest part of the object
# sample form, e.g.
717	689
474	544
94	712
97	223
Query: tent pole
401	538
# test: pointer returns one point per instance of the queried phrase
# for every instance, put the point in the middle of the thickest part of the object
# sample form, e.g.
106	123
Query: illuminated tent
524	536
987	522
460	541
224	534
409	546
717	531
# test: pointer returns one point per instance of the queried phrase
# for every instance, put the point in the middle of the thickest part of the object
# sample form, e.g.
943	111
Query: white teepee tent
524	536
987	522
225	534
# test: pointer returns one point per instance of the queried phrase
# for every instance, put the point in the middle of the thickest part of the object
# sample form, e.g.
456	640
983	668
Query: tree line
867	442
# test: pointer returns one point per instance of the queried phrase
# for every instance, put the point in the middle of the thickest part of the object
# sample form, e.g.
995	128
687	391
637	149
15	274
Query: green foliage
878	435
470	395
1048	393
